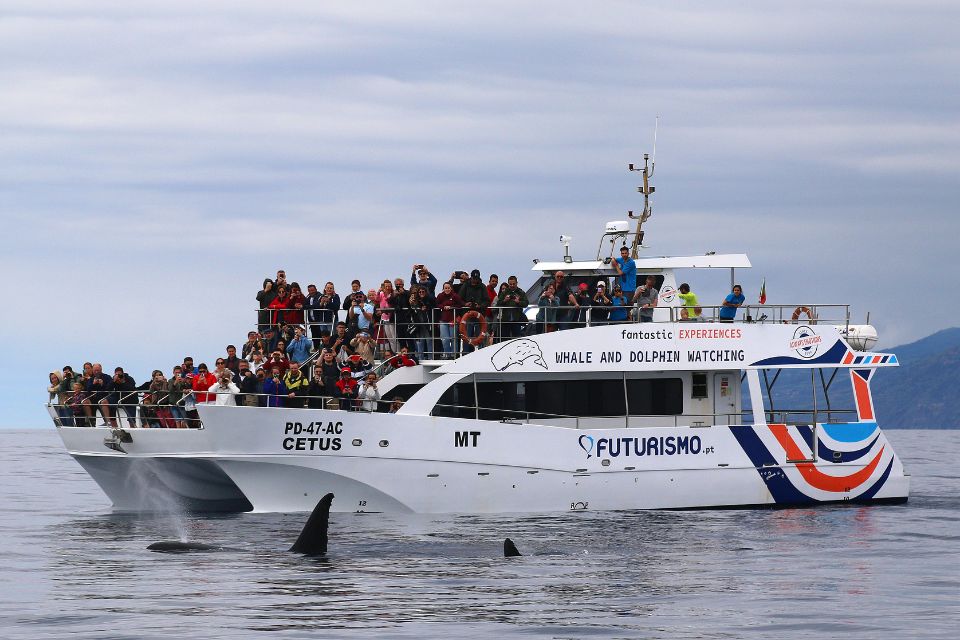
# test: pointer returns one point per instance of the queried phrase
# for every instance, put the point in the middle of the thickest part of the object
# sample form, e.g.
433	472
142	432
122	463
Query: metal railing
436	340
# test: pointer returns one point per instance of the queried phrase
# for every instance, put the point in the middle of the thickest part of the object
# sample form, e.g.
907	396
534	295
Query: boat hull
409	463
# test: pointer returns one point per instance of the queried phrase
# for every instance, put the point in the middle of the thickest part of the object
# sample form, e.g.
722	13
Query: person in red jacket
296	303
203	381
279	306
347	386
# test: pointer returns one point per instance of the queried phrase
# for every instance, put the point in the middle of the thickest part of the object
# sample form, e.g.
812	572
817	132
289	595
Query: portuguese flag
763	292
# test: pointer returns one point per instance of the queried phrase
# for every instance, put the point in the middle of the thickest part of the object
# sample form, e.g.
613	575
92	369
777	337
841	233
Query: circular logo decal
805	342
668	293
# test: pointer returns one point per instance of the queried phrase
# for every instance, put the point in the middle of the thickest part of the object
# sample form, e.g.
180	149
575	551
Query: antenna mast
647	190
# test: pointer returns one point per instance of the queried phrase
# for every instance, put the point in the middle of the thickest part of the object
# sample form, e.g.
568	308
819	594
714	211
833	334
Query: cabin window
698	386
532	399
655	396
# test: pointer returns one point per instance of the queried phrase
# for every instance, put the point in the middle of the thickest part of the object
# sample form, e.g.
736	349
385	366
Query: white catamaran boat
638	415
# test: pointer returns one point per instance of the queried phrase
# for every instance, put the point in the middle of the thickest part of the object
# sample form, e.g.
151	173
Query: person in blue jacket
731	303
274	389
627	270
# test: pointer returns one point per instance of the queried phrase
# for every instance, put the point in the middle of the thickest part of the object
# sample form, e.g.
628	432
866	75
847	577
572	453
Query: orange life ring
476	340
800	311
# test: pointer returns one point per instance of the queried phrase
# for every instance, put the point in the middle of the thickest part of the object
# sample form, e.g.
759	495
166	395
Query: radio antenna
647	190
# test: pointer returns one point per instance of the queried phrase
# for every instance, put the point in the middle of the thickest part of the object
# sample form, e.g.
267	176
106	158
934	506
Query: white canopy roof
716	261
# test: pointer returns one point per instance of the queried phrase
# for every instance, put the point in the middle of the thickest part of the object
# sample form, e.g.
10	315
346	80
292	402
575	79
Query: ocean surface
68	567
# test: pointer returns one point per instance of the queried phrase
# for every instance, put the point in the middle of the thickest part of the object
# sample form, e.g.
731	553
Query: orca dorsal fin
313	538
510	549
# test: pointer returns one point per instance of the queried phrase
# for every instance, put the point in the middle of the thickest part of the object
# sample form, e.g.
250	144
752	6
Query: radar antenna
647	190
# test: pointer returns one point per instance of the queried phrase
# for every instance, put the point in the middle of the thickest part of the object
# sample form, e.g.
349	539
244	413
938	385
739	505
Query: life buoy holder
799	311
473	315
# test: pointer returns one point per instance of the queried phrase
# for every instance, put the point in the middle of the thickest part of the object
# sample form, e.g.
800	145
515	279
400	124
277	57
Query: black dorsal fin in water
313	538
510	549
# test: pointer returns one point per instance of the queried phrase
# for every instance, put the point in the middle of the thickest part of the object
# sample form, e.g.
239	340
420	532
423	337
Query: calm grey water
71	568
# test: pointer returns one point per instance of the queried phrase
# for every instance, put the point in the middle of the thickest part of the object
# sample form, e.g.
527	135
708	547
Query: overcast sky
159	159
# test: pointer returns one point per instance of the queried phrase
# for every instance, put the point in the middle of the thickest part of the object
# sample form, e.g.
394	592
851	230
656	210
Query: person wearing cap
620	304
474	295
346	389
363	346
422	277
601	304
584	302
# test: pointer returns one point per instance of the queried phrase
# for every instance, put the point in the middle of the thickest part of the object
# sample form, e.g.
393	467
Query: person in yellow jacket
297	386
691	307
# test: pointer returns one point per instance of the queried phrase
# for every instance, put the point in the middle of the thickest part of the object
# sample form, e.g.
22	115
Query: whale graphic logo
586	443
519	352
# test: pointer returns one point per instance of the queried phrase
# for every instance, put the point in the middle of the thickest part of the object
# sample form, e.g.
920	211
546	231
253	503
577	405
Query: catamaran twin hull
272	459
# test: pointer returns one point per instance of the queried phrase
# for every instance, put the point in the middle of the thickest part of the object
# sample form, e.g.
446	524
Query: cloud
162	157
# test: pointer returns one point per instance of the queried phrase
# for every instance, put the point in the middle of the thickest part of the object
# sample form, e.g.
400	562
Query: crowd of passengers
383	329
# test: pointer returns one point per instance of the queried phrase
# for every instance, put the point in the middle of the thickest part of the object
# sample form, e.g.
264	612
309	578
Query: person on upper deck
449	302
626	269
728	312
224	391
98	388
601	304
360	313
475	298
74	403
274	389
253	343
277	360
125	396
177	386
297	385
281	279
584	303
421	276
363	346
355	287
323	312
565	298
387	326
232	362
346	389
341	342
300	347
492	282
421	311
547	314
297	304
369	394
691	307
250	387
279	306
646	298
201	382
620	304
265	296
513	301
